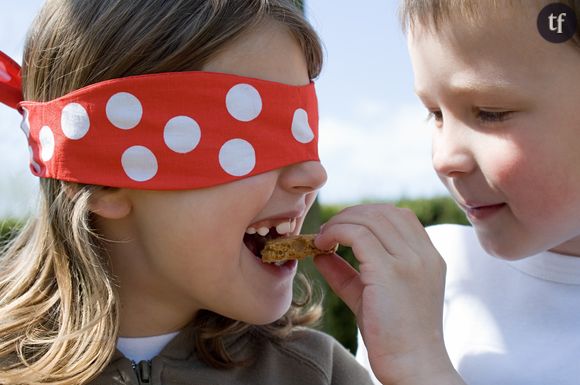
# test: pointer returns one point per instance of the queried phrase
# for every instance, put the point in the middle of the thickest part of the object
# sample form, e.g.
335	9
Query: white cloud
379	154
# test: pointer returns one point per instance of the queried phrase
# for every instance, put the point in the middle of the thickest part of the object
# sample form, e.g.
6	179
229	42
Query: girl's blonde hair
58	304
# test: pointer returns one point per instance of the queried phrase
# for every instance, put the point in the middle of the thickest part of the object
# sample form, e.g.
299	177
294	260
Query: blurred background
374	135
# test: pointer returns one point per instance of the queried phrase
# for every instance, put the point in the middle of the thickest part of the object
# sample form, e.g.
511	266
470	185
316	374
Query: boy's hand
397	294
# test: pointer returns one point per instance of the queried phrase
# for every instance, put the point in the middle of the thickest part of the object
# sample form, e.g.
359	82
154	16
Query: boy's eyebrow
471	87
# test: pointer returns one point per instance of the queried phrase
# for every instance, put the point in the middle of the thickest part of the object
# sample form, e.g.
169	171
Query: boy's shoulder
449	231
455	241
314	354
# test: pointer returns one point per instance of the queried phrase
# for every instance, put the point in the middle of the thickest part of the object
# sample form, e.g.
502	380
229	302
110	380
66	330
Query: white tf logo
559	20
557	23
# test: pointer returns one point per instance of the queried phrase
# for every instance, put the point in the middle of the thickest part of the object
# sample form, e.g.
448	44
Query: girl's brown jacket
307	357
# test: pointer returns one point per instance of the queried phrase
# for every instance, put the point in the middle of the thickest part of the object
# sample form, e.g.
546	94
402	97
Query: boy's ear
110	203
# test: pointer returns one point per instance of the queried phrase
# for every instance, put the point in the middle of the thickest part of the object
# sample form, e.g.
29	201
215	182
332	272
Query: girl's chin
272	314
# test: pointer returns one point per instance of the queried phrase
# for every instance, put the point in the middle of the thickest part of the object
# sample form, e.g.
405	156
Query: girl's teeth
279	263
284	228
263	231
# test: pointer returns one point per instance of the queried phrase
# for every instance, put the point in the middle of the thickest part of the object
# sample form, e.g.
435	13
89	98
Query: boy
506	143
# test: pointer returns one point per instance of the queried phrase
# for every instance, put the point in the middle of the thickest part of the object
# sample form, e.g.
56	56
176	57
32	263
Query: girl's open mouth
256	242
256	237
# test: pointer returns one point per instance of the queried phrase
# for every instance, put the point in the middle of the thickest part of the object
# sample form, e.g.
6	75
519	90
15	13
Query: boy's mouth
257	235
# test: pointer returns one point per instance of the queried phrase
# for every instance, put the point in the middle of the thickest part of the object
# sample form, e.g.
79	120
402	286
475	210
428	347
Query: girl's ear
110	203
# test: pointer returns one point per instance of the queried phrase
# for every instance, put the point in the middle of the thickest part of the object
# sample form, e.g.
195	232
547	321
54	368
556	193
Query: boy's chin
504	249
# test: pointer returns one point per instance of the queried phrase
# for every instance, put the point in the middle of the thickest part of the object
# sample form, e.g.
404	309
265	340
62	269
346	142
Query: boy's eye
493	116
483	115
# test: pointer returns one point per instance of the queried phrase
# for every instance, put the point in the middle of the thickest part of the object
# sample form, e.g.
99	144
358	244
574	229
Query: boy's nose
452	155
303	177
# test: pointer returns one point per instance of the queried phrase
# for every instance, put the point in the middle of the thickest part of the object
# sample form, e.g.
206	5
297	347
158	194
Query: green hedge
338	320
7	228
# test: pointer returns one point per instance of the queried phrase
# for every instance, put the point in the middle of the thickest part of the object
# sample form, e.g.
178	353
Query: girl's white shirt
143	348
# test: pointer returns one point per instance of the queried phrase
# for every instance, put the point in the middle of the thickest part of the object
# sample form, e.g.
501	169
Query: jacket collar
182	346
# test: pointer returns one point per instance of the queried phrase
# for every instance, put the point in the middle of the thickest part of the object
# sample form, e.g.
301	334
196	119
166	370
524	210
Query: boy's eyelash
493	116
483	115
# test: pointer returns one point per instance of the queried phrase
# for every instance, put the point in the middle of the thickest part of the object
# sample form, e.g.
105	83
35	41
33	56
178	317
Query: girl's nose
303	177
452	155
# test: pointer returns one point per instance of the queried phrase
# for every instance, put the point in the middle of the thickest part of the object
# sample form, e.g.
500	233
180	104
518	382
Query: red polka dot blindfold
168	131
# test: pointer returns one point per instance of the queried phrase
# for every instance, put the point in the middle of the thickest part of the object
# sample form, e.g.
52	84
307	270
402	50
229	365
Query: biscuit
292	247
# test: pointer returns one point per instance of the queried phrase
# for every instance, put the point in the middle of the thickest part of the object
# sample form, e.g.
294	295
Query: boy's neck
571	247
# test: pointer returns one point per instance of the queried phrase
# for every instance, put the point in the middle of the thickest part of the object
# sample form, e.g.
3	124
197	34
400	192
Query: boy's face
506	141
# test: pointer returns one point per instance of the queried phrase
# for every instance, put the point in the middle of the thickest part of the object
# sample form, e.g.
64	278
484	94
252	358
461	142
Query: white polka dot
46	138
25	124
182	134
33	164
244	102
74	121
300	128
237	157
124	110
4	75
139	163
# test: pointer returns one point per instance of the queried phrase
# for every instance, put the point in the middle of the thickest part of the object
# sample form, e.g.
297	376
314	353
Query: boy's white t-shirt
508	323
143	348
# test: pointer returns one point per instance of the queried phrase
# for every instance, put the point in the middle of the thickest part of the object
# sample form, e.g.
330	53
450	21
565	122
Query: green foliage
7	229
434	211
338	319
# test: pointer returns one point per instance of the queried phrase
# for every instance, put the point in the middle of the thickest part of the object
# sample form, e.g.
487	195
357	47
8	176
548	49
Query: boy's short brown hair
433	13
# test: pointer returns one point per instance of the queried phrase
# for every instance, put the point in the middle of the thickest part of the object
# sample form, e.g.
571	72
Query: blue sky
374	140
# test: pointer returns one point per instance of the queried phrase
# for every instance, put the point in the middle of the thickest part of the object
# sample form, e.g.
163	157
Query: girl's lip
294	214
288	268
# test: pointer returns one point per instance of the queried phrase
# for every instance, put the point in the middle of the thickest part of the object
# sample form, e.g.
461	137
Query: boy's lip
478	209
478	213
474	205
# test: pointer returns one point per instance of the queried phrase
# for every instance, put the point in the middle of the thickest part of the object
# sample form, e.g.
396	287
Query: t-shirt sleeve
362	357
452	241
